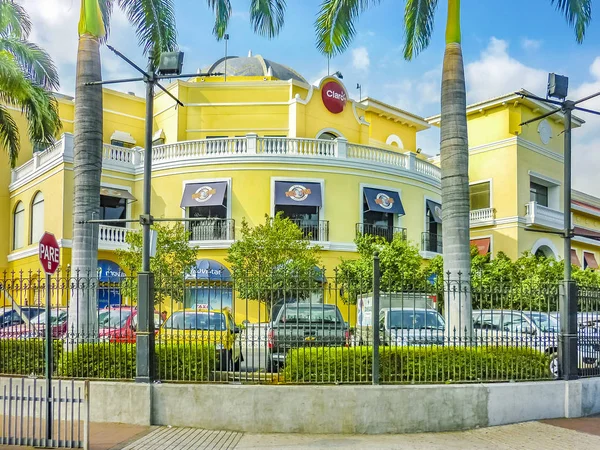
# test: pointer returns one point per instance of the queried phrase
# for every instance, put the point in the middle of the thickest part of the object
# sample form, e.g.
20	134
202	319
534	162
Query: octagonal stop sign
49	253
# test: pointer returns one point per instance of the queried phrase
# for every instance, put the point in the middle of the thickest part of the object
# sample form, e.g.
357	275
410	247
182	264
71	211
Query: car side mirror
236	330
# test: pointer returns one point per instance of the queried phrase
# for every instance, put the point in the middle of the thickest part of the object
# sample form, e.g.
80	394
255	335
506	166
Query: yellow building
265	140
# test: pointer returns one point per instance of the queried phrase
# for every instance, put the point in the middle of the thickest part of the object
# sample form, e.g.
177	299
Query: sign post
49	254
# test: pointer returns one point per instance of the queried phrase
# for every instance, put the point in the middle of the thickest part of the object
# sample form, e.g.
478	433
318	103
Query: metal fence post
375	319
567	338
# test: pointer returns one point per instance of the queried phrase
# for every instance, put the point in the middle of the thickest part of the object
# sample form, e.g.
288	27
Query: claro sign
334	97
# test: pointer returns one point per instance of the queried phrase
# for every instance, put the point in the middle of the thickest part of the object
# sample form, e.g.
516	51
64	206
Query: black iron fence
383	231
296	328
315	230
211	229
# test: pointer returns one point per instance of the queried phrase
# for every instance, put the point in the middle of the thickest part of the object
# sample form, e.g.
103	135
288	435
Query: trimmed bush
177	362
26	356
415	365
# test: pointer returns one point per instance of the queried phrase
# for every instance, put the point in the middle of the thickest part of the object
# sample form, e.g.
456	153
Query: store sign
334	97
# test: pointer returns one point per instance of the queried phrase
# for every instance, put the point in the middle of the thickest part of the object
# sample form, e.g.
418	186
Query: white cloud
496	73
360	58
531	44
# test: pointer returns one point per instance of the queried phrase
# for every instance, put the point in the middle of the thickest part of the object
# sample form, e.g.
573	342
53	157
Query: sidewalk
546	435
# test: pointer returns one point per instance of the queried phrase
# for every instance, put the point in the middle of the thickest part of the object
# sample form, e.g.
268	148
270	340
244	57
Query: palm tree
27	77
154	21
335	29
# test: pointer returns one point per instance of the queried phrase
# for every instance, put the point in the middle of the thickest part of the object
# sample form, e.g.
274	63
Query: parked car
12	319
58	323
533	329
203	326
411	326
119	324
304	325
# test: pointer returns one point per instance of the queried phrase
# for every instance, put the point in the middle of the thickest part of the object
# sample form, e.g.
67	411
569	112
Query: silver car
411	326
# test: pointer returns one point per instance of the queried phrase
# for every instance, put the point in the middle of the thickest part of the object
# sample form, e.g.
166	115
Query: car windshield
115	318
56	318
308	314
545	322
196	321
415	320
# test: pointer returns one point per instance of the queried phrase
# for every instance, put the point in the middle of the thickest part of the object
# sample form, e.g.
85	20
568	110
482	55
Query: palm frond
106	7
222	11
34	61
578	14
14	20
335	27
9	136
418	26
267	16
154	21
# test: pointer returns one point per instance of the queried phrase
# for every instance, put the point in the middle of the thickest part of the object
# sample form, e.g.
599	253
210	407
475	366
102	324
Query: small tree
274	261
173	261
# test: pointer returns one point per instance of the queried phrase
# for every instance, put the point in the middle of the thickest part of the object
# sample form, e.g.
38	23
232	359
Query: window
480	196
301	202
37	218
208	201
124	144
327	136
113	208
538	193
19	226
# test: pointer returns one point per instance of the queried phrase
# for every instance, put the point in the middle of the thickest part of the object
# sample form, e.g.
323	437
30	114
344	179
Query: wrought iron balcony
383	231
315	230
211	229
431	242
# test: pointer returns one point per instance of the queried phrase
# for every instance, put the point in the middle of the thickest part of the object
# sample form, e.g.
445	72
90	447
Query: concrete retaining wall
340	409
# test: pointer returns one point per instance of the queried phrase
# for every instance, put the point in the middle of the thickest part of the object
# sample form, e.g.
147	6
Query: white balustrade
483	215
377	155
536	214
112	237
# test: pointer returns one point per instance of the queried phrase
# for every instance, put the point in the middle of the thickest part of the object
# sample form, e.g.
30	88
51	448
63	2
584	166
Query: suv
411	326
534	329
304	325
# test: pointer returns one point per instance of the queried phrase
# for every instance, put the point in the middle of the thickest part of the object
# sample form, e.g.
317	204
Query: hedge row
415	365
26	357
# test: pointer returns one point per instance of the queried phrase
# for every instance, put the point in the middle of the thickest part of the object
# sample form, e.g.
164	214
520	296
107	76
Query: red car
119	324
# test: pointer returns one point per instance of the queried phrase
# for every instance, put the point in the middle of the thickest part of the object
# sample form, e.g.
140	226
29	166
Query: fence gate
24	414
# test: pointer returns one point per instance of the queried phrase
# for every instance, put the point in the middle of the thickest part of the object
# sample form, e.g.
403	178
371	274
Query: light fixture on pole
359	87
338	74
225	38
558	87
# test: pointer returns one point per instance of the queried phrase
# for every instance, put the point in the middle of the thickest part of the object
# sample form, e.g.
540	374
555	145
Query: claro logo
334	97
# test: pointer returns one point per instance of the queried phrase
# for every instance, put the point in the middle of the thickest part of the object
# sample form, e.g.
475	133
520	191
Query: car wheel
272	366
553	366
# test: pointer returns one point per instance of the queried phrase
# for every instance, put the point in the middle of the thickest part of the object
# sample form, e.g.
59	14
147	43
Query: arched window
327	136
37	218
19	226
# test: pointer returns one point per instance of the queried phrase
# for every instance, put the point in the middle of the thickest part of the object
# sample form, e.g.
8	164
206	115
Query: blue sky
507	45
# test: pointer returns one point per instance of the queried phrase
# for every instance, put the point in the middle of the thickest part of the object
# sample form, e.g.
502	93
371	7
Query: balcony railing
536	214
111	237
315	230
383	231
130	160
211	229
481	217
431	242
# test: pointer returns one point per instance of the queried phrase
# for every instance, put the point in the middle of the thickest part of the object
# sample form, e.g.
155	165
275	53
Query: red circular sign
49	253
334	97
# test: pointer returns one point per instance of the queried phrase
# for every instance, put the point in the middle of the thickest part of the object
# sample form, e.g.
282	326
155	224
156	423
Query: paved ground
545	435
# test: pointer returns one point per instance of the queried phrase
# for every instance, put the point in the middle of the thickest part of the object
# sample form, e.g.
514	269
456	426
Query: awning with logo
109	271
483	245
209	269
590	260
436	210
204	194
383	201
118	193
298	193
575	258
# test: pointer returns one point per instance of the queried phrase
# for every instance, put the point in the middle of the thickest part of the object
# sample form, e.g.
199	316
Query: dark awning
575	258
119	193
590	260
436	210
298	193
204	194
383	201
483	245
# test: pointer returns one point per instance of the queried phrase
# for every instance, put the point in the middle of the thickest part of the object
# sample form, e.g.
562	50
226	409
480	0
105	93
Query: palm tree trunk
454	150
87	167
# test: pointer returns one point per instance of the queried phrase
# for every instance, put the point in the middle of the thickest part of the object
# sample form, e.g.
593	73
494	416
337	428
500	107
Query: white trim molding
394	139
545	242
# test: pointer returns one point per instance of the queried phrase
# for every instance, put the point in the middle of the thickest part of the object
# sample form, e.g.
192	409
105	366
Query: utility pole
567	338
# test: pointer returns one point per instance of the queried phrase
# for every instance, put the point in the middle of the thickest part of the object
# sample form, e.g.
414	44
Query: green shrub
26	356
415	365
177	362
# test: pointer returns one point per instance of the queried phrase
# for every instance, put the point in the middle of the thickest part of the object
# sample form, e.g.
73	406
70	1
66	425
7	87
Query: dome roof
254	66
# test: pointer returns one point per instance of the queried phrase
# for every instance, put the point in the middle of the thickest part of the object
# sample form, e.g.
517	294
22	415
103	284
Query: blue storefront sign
110	275
208	285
